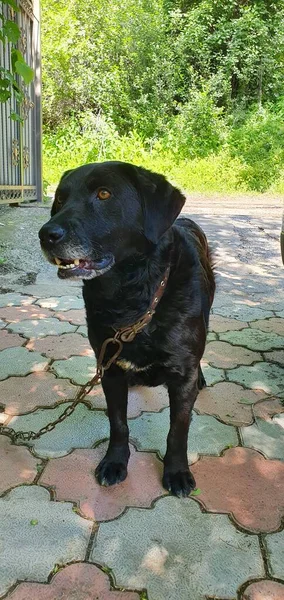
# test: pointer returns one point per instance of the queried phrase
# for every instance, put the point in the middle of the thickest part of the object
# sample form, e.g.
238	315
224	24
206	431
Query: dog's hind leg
201	382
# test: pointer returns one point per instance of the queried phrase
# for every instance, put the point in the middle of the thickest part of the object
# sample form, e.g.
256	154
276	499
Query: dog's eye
103	194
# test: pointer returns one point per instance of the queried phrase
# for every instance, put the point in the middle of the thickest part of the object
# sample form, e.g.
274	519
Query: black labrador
113	226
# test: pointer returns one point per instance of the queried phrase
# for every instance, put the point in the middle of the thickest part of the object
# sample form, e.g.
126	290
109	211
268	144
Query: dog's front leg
177	477
113	468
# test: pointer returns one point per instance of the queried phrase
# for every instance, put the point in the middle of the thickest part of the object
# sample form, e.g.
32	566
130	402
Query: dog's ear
162	203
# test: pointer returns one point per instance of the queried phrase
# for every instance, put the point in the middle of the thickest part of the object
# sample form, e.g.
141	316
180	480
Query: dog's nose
51	233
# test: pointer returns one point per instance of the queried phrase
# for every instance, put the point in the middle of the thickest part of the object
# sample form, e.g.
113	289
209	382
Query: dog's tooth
57	260
76	262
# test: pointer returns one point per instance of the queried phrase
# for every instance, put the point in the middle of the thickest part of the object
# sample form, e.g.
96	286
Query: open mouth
82	268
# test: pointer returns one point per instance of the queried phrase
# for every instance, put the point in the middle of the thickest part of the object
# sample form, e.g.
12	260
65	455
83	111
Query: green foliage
189	88
9	84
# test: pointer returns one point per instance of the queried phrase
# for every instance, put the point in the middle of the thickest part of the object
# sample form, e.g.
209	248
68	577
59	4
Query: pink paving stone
79	581
21	395
245	484
17	465
62	346
140	399
264	590
273	325
219	324
75	316
225	356
73	479
14	314
268	408
228	401
10	340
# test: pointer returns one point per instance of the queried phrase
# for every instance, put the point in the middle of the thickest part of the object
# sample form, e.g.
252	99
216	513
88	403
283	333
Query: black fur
136	227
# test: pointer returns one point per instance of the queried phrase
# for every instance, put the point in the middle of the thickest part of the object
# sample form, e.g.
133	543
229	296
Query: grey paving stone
61	302
206	434
280	313
275	547
211	337
212	375
36	328
243	312
266	436
2	324
254	339
263	376
36	534
79	369
19	361
82	329
15	300
82	429
177	552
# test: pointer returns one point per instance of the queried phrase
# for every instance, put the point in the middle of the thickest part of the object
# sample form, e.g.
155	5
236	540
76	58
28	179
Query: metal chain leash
125	334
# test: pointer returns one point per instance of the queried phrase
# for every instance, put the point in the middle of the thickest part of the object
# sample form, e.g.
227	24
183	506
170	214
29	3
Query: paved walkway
62	536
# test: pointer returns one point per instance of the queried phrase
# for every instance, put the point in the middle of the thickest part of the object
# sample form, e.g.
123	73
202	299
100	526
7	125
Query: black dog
113	225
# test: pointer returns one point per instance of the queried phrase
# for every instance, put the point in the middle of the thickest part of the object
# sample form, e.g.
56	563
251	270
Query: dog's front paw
180	483
109	472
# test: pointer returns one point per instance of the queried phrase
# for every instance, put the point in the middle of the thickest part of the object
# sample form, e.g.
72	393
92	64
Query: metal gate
20	144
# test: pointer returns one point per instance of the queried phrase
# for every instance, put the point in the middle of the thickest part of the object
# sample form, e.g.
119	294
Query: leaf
4	95
196	492
16	56
11	3
4	83
18	95
15	117
25	71
11	31
34	522
245	401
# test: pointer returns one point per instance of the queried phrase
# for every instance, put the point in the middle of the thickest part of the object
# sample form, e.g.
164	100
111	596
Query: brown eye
103	194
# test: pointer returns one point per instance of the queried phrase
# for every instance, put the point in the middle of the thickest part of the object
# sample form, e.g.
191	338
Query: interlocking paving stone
273	325
2	324
77	317
206	434
36	534
268	408
211	337
61	302
140	399
19	361
245	484
177	552
225	356
61	346
262	376
211	374
80	581
219	324
14	314
275	546
254	339
73	479
264	590
21	395
41	327
10	340
228	401
280	313
82	429
15	300
275	355
79	369
17	465
243	312
266	436
83	330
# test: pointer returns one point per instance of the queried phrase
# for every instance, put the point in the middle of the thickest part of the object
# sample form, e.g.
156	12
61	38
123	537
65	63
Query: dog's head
105	212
